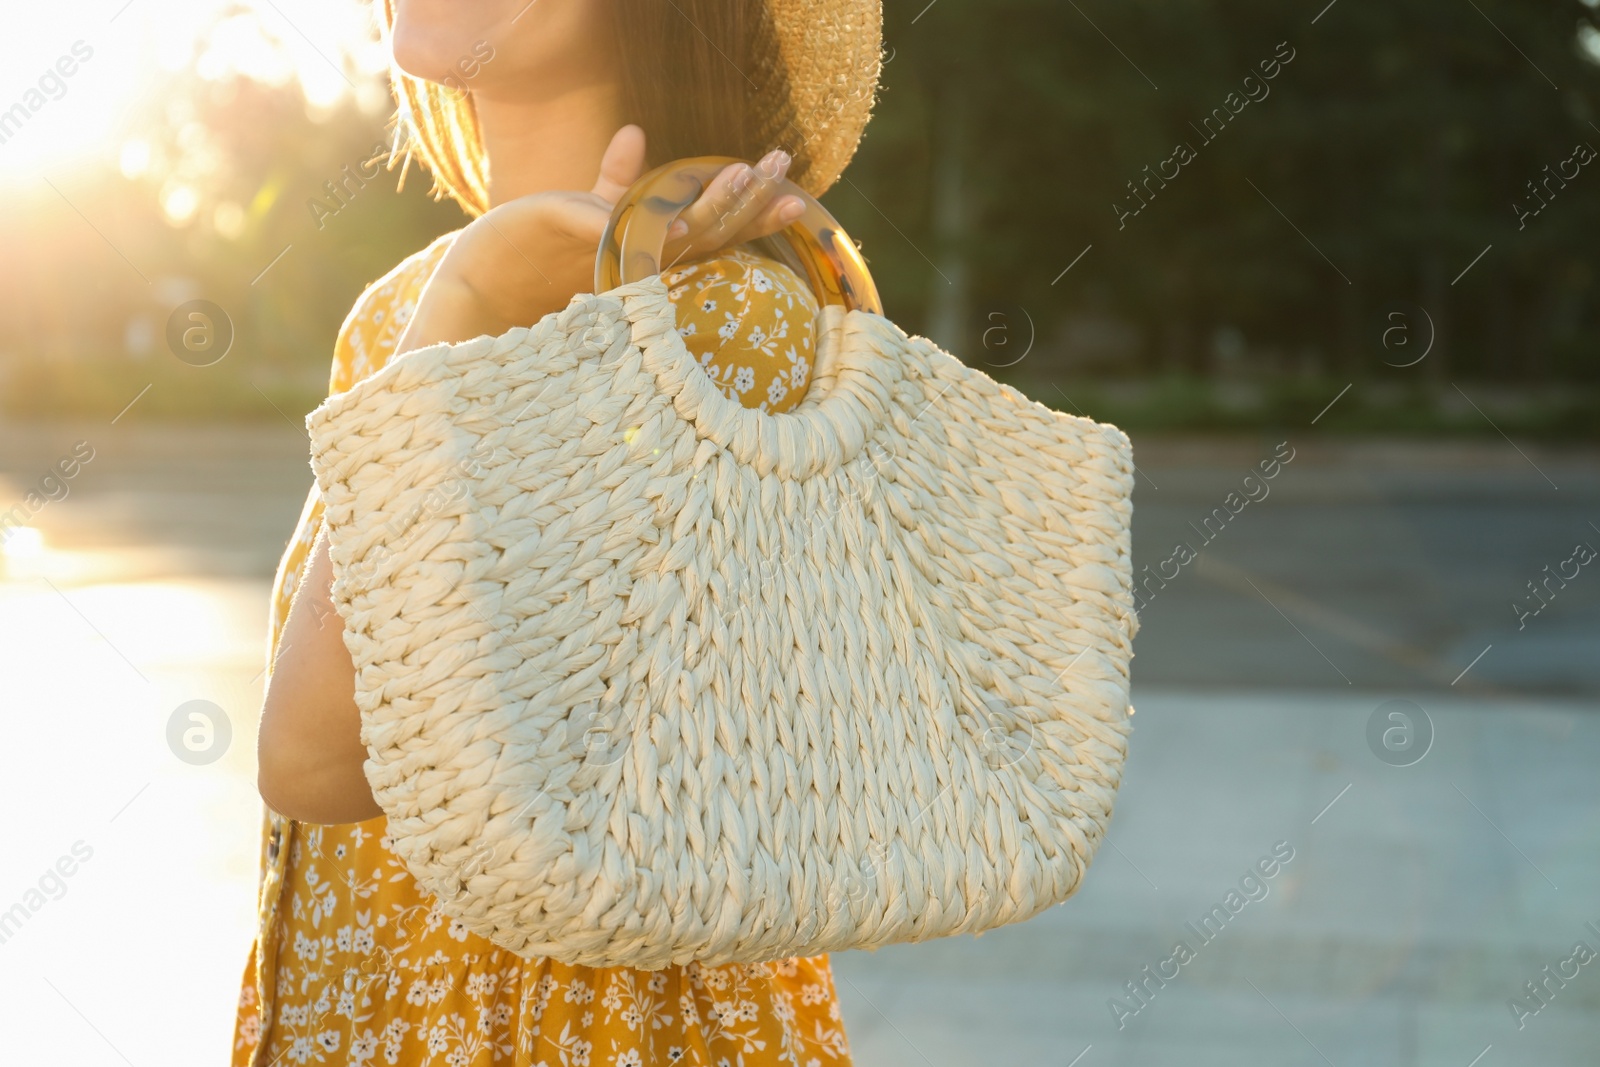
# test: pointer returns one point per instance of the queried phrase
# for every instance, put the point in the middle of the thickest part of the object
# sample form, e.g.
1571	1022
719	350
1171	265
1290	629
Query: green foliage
98	264
1396	141
1383	158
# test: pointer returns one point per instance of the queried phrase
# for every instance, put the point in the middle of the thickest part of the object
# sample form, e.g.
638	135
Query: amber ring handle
631	247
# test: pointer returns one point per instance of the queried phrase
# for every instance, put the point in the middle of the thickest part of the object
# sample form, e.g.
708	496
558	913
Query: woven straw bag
647	677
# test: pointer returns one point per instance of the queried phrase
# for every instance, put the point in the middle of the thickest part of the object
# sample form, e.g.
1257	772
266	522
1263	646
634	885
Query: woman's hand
529	256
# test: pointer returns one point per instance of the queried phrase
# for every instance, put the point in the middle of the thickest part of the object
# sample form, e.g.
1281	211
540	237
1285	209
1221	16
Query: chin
432	38
476	44
422	53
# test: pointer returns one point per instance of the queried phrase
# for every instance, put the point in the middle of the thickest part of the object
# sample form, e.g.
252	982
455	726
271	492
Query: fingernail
791	211
774	163
678	228
742	178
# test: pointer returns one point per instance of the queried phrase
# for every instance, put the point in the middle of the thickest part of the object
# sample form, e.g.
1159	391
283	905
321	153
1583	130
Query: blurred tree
1366	175
1212	224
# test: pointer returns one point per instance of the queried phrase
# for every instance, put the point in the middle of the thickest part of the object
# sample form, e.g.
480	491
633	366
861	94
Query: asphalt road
1371	565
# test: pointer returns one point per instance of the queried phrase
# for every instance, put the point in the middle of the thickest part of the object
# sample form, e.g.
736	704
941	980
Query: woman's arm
309	749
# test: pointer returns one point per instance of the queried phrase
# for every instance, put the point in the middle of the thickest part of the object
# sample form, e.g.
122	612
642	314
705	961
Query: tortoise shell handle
630	248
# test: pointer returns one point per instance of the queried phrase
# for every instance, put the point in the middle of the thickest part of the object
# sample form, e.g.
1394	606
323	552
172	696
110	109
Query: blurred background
1363	236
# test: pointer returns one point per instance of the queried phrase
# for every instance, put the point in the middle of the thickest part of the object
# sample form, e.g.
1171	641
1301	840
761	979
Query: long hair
689	71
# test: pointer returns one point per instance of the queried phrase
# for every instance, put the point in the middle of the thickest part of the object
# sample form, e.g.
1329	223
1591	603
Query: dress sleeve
371	332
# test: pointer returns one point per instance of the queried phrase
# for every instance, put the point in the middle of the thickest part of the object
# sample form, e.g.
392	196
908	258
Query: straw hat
814	98
815	74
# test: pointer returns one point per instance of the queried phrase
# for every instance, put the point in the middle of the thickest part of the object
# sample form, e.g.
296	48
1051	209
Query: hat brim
817	104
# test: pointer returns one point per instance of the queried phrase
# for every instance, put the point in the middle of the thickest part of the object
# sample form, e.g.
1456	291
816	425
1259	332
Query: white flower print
249	1031
363	1048
355	943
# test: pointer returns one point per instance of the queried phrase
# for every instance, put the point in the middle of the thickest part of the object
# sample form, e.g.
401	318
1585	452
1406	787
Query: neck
538	143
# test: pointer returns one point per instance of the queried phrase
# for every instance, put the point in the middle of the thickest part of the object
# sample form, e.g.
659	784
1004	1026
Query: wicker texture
647	677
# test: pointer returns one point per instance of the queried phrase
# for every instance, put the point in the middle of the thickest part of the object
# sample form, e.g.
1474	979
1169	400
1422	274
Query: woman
514	105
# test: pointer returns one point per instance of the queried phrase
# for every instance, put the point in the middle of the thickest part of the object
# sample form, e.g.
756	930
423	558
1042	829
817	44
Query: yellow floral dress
354	964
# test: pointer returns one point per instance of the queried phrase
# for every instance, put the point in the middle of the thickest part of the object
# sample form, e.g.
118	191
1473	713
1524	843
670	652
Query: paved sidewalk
1414	908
